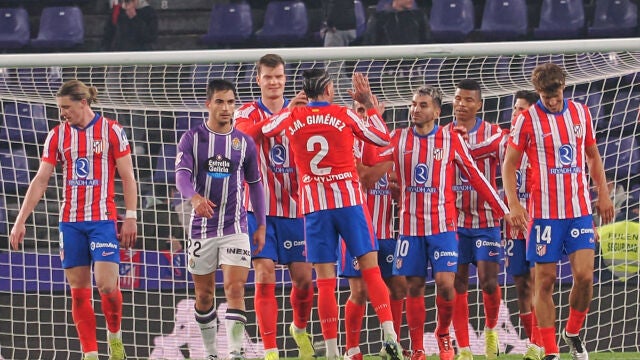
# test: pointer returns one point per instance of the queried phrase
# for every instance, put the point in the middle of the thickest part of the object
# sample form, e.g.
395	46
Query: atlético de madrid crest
438	154
97	146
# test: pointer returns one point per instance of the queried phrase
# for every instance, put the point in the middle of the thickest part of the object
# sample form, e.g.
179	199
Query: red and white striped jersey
473	212
275	162
425	167
321	136
379	201
555	146
88	158
490	147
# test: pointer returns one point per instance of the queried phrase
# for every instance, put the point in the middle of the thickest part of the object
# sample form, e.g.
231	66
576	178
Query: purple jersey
219	164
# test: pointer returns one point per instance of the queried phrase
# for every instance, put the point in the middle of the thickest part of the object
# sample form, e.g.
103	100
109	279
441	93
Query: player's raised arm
374	130
475	176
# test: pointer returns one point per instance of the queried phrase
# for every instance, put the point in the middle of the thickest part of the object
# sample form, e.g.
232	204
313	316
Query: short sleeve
118	140
50	153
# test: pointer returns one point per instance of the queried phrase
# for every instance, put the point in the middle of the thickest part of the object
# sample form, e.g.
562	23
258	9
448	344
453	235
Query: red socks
353	315
549	340
491	307
112	309
301	302
266	313
575	321
84	318
527	323
461	319
418	314
328	308
396	313
445	313
536	338
378	293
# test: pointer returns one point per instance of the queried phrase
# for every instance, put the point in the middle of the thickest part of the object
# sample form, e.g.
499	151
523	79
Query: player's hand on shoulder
259	238
459	129
202	206
299	100
17	235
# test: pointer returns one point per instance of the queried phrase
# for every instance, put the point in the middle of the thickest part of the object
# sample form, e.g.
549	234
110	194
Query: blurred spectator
403	24
340	22
133	26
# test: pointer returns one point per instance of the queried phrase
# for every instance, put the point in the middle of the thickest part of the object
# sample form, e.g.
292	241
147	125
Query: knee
545	284
583	279
234	290
358	296
489	285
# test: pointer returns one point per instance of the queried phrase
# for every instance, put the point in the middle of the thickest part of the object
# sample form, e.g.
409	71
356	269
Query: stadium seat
285	23
504	20
621	156
14	28
614	18
624	114
24	123
229	24
164	171
61	27
201	74
14	171
451	20
592	99
560	19
187	120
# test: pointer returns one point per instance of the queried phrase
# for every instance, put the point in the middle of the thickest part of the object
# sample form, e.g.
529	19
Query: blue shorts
413	252
284	240
479	245
515	257
348	265
82	243
549	239
324	228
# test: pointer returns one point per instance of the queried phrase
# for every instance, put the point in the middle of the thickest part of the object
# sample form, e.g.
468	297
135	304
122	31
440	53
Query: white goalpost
158	95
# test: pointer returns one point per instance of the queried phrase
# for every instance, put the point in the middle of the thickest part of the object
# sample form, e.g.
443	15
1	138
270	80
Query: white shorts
205	255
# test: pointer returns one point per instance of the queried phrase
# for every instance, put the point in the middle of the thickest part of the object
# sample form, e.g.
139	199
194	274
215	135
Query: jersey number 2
324	149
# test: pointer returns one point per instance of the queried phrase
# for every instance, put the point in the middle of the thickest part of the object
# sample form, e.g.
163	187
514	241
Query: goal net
158	96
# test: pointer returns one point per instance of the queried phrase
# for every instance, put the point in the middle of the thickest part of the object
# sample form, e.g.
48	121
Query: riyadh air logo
82	167
421	173
566	154
123	135
518	179
278	154
383	182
